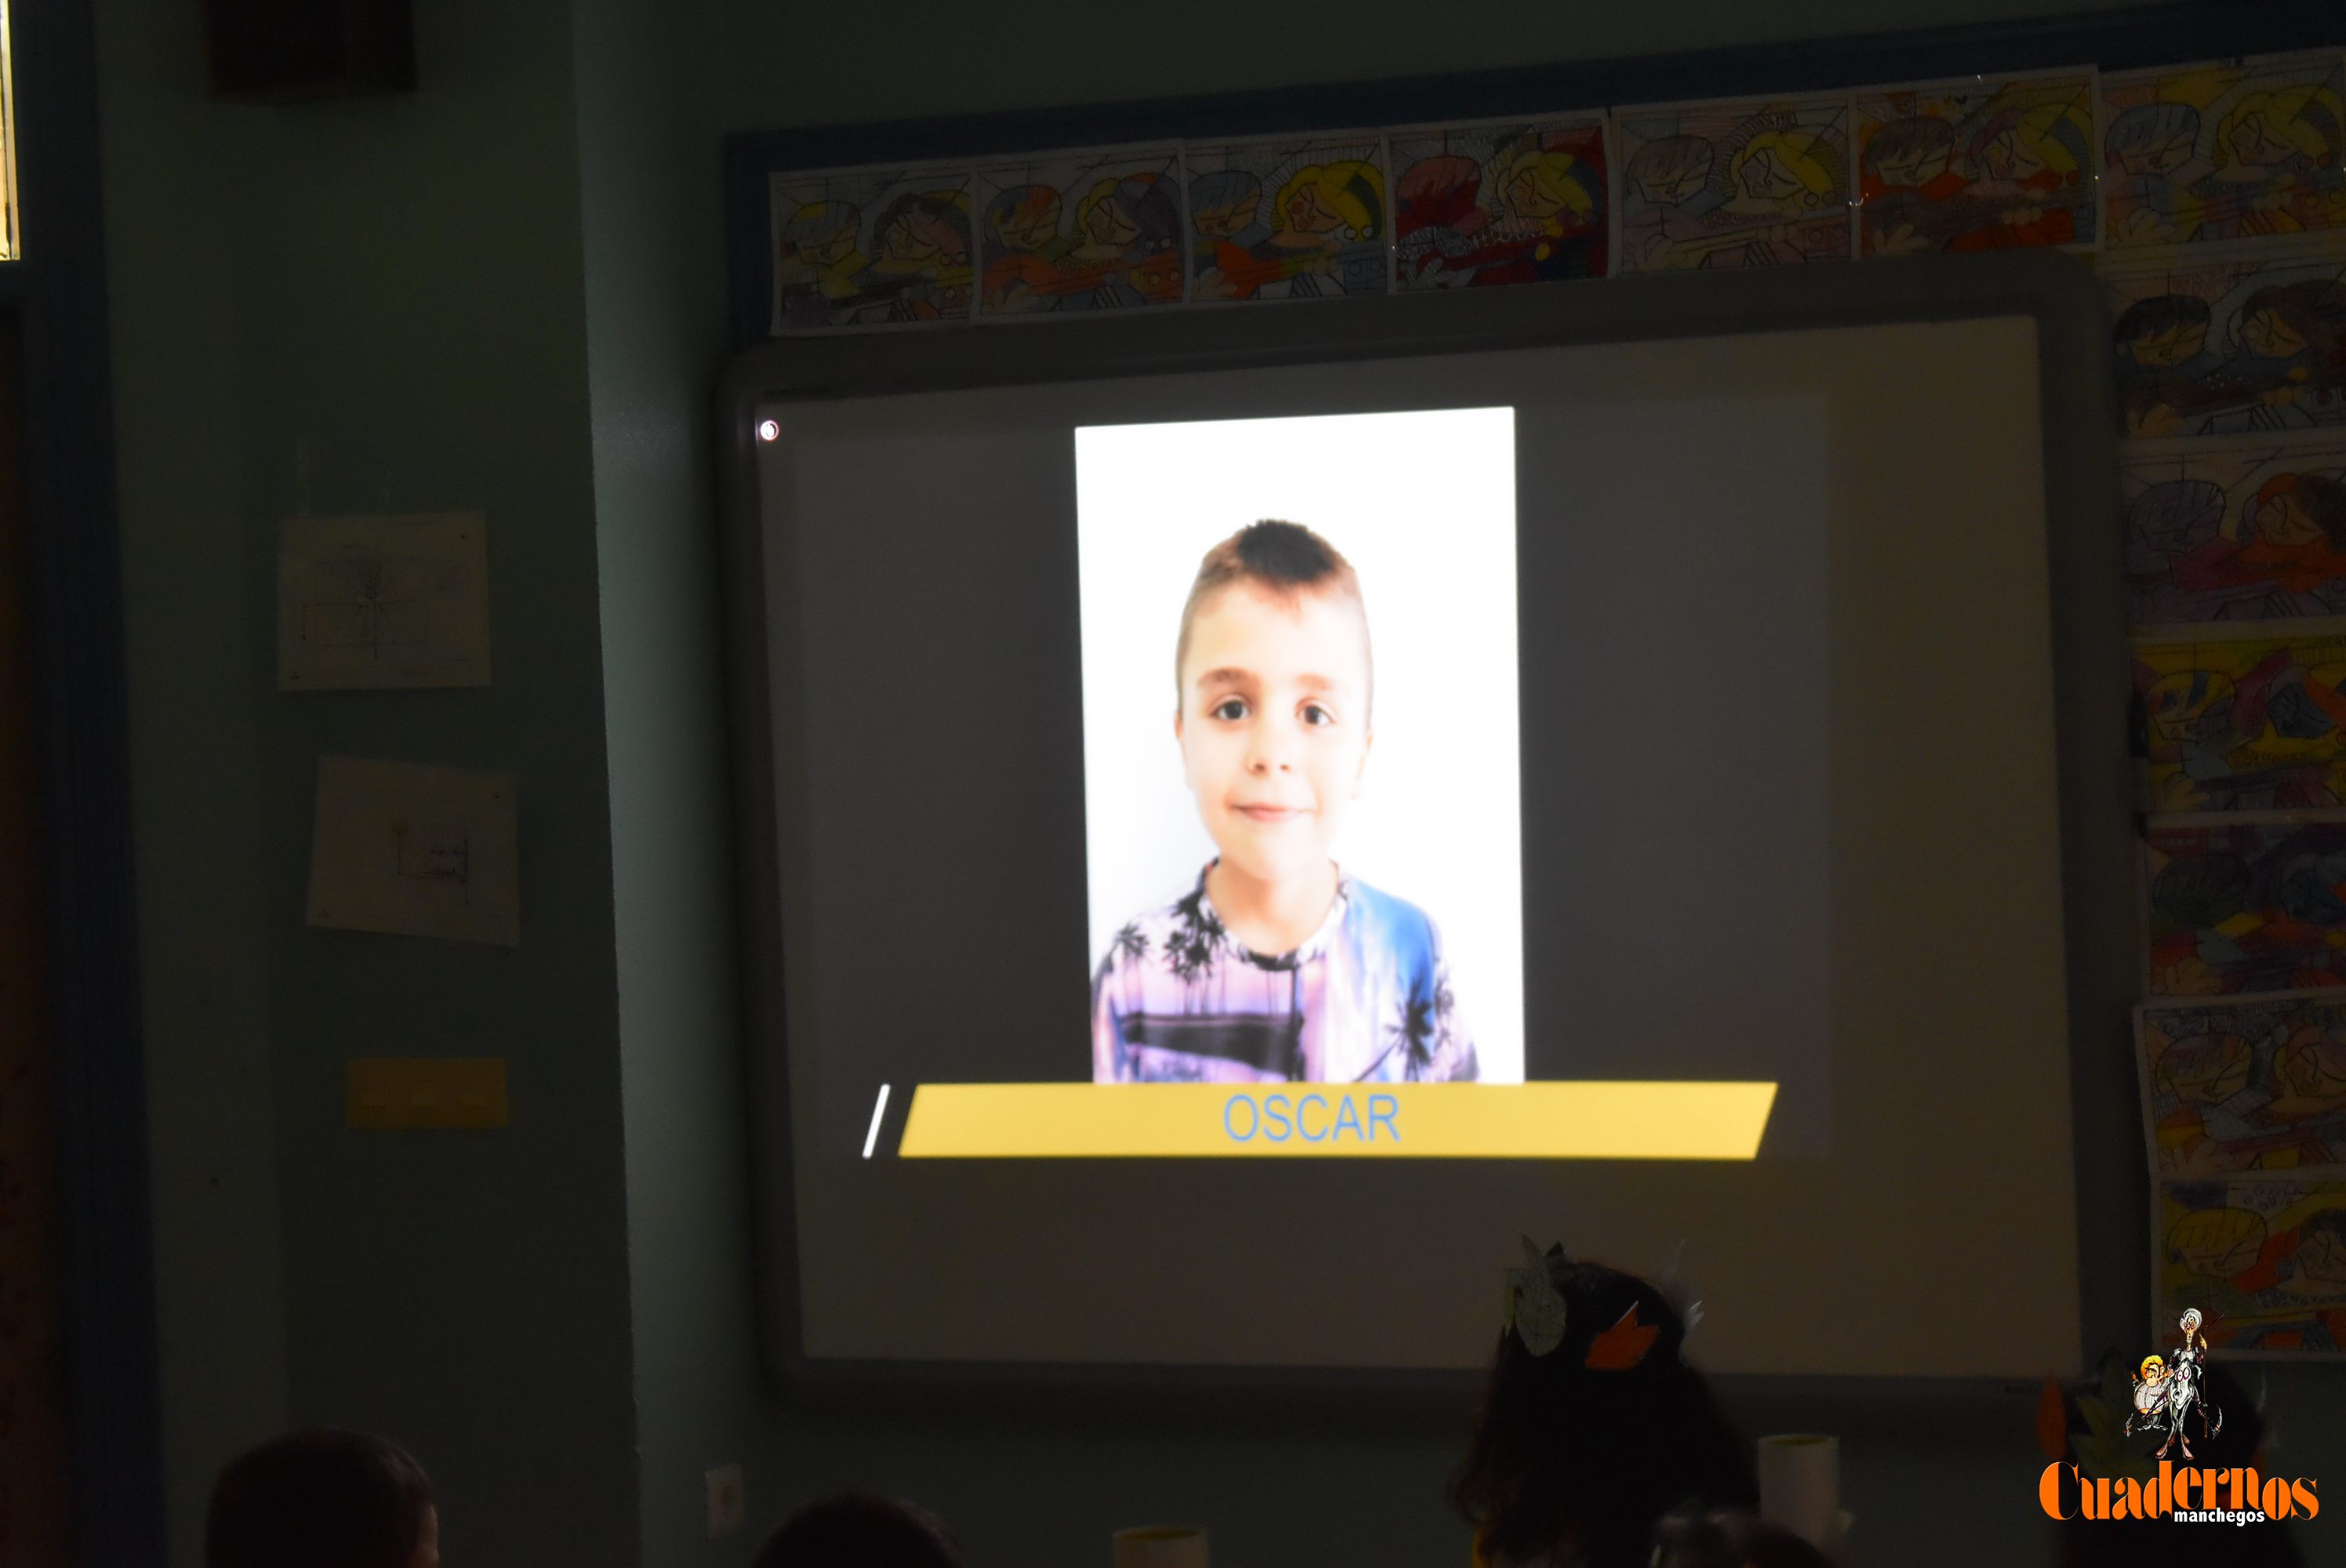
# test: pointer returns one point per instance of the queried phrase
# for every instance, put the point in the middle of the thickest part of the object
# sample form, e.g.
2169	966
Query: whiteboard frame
2097	856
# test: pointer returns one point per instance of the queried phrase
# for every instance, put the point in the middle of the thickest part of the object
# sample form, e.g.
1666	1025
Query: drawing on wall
2236	339
2262	1259
1298	218
1751	183
1080	231
2253	149
383	602
2257	1085
2235	529
1977	165
872	246
415	851
2241	905
1510	201
2253	724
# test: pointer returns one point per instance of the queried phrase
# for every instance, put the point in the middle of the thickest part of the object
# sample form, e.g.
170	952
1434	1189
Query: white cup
1160	1546
1799	1484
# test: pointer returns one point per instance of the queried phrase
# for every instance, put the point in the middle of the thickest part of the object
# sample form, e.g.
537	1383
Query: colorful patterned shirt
1367	999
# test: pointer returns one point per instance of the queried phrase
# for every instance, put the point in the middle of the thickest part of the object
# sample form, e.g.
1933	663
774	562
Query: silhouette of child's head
1581	1450
322	1497
855	1530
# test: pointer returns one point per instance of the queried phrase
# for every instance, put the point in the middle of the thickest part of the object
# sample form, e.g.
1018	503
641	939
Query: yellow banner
1610	1121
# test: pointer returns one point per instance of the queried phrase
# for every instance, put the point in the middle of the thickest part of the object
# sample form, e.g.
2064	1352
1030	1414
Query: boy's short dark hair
1286	559
852	1529
317	1497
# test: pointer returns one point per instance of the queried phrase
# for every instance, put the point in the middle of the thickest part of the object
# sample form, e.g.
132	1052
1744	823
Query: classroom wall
368	307
504	292
936	58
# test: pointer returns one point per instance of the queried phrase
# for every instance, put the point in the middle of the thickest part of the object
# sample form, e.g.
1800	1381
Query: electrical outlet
725	1507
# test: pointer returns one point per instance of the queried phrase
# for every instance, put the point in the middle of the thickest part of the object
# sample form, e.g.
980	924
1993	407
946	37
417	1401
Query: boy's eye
1230	709
1315	714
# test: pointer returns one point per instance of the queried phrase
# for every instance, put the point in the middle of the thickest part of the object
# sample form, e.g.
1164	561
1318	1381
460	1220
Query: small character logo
2166	1392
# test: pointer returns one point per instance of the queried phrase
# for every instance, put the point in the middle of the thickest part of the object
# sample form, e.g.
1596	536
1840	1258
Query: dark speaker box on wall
287	51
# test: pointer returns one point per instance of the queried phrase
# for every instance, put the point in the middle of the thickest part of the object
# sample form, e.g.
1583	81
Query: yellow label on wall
391	1093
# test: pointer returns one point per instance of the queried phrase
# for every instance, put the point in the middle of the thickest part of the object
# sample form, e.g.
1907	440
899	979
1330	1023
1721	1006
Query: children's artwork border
2235	724
1137	187
2237	1248
2236	531
2249	338
2244	1087
898	269
1468	245
2174	136
1989	126
2317	139
1804	136
1316	225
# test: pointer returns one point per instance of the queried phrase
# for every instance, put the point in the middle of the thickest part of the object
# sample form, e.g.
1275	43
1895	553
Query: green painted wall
784	65
369	306
506	292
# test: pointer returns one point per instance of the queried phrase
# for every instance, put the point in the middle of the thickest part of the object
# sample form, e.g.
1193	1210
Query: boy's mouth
1271	815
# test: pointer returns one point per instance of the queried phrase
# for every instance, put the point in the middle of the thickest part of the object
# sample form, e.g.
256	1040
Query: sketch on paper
2235	529
2249	150
2242	906
1511	201
2231	341
2251	1086
872	247
1079	232
1297	218
1976	165
2262	1259
383	602
1746	184
415	850
2247	725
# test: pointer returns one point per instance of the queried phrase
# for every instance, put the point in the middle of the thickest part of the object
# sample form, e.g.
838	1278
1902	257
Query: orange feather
1622	1345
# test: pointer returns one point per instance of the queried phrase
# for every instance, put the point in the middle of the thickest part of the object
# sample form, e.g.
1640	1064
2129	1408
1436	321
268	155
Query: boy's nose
1268	756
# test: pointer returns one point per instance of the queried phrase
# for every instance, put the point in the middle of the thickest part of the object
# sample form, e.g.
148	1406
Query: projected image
1299	740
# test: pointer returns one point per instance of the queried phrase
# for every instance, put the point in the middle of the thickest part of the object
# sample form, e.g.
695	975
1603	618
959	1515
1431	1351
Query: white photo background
1423	505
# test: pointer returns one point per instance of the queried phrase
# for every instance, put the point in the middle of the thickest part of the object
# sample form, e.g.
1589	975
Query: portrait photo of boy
1269	954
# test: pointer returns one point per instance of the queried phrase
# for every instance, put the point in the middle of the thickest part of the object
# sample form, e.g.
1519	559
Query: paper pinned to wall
1500	202
2249	149
1744	182
2230	340
415	851
2243	724
2244	1087
383	602
1099	230
2262	1258
1983	163
1295	218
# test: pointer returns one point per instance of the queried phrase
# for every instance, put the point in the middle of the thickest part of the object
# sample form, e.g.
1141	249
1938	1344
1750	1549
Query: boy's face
1274	725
